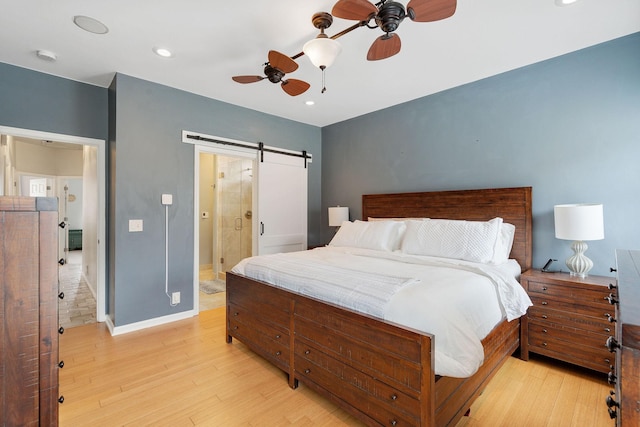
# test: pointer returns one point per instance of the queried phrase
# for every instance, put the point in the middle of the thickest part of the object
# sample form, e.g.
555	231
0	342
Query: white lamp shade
579	222
322	51
337	215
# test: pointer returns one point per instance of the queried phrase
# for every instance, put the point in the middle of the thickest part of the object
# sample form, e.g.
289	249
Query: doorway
225	221
19	158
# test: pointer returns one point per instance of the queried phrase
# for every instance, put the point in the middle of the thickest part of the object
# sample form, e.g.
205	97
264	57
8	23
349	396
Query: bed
381	372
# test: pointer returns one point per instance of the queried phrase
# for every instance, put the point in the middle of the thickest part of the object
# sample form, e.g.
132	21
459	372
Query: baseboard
131	327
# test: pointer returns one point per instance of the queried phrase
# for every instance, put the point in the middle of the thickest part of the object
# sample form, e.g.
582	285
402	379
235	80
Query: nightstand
570	320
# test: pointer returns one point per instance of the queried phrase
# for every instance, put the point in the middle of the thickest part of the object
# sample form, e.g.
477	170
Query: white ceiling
215	40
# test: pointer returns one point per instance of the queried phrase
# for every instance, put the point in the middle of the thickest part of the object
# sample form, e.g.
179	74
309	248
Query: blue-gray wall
148	159
569	127
37	101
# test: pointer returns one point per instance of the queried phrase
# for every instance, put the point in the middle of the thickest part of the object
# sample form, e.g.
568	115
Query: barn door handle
261	228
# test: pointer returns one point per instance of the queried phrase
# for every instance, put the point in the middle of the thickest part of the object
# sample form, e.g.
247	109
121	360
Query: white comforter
458	302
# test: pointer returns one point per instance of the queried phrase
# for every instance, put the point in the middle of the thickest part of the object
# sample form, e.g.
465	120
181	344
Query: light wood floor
185	374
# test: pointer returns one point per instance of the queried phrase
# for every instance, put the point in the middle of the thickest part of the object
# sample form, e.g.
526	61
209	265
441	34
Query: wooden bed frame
380	372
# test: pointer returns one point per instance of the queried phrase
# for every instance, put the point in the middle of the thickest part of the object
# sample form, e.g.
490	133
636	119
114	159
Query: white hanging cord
166	255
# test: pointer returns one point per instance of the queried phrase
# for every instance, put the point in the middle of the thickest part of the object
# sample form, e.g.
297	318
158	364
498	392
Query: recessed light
565	2
309	103
164	52
46	55
89	24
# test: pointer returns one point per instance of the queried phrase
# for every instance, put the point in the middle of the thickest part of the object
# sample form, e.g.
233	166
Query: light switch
135	225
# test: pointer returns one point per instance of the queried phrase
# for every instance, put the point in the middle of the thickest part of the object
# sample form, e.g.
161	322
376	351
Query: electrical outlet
175	298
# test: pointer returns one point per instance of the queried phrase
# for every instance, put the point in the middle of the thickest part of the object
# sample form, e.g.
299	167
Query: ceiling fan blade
247	79
431	10
358	10
295	87
384	46
282	62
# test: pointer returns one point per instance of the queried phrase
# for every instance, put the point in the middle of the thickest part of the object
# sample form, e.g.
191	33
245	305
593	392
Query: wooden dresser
570	320
624	402
29	311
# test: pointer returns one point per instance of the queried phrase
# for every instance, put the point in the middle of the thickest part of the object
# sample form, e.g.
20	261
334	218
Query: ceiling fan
388	15
275	70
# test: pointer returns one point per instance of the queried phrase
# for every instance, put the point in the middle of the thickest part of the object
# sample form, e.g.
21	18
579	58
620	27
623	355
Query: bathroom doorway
225	221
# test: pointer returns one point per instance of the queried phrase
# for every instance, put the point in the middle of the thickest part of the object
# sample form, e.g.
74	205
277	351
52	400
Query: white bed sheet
458	302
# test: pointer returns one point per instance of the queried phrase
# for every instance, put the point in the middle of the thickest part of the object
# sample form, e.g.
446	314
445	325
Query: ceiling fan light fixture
322	51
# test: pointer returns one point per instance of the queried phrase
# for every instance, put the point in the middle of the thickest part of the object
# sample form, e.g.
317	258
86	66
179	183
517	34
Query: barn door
282	204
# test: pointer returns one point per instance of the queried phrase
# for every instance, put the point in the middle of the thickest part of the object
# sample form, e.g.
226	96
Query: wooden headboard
513	205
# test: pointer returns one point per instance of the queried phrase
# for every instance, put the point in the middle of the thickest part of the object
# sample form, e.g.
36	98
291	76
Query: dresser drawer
545	315
551	303
270	341
567	334
585	295
370	396
599	359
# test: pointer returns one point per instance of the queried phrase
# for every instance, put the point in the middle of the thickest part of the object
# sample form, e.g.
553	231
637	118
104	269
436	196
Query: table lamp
579	222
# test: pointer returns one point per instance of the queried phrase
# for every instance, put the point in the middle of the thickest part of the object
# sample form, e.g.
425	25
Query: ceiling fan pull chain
324	87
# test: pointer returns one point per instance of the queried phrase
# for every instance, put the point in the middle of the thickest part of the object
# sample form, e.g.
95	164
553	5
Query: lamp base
578	264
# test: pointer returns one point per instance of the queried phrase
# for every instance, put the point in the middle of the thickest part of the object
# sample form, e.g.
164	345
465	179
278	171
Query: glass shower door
235	212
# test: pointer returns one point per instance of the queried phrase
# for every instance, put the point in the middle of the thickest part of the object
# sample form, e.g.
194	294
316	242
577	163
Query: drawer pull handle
544	288
61	399
307	351
544	331
306	371
278	337
236	313
610	318
61	364
544	303
393	422
235	328
278	353
608	361
544	344
611	378
607	329
544	316
394	397
61	330
611	298
611	344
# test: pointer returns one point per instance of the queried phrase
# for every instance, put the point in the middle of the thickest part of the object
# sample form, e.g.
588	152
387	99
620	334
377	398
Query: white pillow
377	235
504	243
466	240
